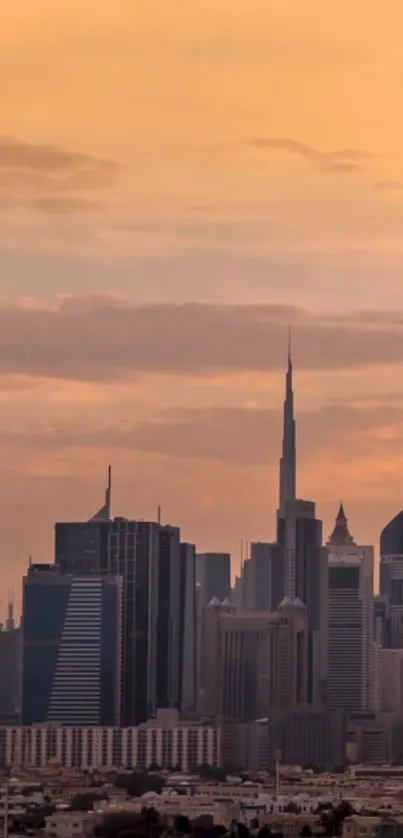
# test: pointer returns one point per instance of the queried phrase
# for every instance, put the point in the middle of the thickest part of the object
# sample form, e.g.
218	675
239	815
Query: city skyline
168	206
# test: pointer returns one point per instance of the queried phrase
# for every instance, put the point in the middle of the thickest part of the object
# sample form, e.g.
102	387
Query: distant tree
85	802
264	832
306	831
182	824
154	767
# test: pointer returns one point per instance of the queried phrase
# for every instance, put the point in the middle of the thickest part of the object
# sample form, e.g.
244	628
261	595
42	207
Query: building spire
288	455
104	514
10	622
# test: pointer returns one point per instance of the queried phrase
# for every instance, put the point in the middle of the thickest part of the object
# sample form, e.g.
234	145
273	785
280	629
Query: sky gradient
175	188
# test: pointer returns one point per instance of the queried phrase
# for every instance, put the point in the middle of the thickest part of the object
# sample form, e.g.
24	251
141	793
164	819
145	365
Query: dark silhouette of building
10	669
213	571
70	648
147	557
188	675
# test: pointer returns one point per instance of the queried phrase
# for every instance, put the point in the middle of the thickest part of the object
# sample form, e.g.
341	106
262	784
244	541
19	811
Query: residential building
164	740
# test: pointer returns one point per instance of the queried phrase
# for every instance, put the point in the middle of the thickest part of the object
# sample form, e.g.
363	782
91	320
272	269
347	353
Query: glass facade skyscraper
71	641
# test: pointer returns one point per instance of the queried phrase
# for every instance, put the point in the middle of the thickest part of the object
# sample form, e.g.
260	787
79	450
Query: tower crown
341	533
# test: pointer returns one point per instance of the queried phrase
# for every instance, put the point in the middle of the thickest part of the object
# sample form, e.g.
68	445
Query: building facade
350	682
71	647
188	675
10	669
254	662
147	557
164	742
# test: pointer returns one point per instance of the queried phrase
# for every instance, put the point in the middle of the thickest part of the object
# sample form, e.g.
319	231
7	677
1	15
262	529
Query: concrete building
147	557
350	647
375	738
255	662
164	740
391	679
305	736
71	648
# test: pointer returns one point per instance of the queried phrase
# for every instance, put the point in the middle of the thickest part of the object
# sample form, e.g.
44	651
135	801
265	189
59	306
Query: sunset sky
178	182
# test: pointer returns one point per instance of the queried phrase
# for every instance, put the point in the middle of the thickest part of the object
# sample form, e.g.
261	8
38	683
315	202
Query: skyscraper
288	466
168	620
147	557
213	571
188	676
254	662
391	577
286	515
10	668
350	647
71	648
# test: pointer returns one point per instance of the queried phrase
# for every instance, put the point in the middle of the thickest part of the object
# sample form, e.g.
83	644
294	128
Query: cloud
235	436
390	185
50	179
66	206
102	339
341	161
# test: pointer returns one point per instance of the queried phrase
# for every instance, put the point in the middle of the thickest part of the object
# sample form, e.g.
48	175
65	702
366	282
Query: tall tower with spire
288	468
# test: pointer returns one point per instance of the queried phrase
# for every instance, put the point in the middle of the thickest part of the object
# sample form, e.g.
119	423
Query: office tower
254	662
10	669
187	630
139	552
213	572
261	585
168	620
391	679
350	647
71	648
311	577
391	577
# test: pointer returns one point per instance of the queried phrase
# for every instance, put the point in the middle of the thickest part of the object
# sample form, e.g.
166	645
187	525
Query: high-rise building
254	662
168	620
10	669
188	676
213	572
261	584
391	577
311	578
350	646
286	530
147	557
71	648
391	679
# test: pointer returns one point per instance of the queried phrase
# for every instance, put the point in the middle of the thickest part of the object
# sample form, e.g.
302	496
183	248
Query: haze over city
175	191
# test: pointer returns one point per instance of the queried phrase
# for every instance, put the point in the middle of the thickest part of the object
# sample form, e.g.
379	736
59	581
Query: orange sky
242	156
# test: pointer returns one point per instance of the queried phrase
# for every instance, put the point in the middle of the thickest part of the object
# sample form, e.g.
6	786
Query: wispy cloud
342	161
103	339
36	176
390	185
